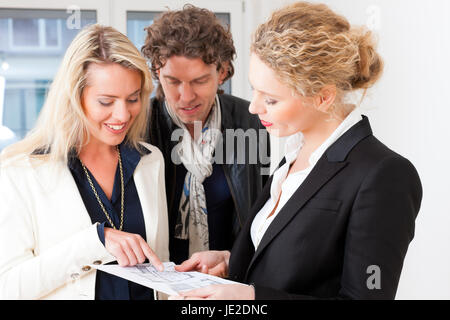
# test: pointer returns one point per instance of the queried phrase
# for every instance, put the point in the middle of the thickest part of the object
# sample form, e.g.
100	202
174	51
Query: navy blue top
219	205
107	286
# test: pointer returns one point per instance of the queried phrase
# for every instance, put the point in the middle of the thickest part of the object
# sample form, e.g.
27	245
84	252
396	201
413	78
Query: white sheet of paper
168	281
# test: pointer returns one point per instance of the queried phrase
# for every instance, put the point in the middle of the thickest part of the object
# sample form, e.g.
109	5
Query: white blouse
288	184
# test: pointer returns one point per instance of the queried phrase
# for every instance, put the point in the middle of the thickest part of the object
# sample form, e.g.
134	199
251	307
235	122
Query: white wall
409	111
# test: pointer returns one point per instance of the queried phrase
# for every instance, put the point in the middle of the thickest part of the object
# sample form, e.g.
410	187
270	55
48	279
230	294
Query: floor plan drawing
168	281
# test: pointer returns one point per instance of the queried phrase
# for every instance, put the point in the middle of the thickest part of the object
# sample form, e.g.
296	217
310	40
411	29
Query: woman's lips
116	128
266	124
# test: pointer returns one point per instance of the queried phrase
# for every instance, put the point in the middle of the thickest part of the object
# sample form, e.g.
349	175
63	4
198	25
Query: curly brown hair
191	32
310	46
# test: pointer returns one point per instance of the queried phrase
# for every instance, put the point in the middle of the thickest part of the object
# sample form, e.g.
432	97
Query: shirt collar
295	142
292	147
353	118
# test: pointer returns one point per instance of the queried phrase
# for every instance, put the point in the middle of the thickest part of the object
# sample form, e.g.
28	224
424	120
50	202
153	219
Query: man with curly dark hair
211	181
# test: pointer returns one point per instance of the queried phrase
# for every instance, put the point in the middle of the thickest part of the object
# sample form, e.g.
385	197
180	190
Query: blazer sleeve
381	226
25	273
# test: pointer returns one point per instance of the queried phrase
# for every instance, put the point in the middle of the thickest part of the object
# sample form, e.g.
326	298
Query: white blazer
47	239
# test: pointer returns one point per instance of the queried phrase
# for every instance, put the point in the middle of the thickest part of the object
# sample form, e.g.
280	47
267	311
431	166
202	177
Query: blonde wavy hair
309	46
62	125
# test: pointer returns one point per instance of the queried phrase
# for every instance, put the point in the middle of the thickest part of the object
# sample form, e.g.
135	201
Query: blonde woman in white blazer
76	189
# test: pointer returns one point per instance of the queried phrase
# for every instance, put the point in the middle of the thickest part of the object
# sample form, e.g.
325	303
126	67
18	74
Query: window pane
138	20
51	32
32	44
25	32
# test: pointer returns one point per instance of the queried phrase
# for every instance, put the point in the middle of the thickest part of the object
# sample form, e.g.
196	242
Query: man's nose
187	93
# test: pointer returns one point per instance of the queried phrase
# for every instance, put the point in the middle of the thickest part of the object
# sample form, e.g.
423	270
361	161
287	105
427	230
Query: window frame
114	13
42	45
102	7
234	8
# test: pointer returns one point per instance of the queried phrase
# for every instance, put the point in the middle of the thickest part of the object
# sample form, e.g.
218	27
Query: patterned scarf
197	157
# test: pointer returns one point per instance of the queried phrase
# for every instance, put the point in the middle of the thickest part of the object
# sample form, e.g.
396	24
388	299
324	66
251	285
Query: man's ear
223	72
325	98
158	71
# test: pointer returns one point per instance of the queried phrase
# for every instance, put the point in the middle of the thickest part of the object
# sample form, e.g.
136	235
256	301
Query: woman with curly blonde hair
337	215
79	190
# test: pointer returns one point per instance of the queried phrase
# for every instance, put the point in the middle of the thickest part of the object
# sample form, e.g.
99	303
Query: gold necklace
122	198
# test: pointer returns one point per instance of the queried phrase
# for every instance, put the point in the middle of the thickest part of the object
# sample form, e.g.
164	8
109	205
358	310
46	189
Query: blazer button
75	276
97	262
86	268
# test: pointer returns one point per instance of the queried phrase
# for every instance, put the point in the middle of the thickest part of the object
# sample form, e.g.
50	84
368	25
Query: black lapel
326	168
321	174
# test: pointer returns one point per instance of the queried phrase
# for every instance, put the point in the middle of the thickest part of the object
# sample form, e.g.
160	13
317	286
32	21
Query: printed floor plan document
168	281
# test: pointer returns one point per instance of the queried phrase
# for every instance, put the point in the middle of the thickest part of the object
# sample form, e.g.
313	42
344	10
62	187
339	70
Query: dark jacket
245	179
350	222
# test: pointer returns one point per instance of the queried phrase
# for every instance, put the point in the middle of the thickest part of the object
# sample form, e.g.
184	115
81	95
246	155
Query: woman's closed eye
133	100
270	102
106	102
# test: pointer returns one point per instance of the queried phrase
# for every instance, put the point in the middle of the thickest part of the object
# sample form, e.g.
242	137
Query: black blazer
355	210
